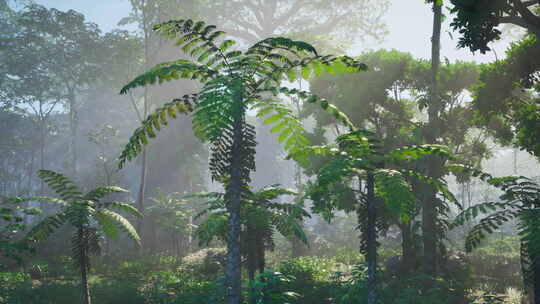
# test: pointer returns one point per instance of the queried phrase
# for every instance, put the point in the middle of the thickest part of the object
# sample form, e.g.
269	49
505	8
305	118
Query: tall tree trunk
84	267
371	232
141	195
408	259
429	203
144	167
73	133
536	292
42	132
234	193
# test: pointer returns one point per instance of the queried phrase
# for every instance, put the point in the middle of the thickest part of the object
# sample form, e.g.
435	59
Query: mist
368	151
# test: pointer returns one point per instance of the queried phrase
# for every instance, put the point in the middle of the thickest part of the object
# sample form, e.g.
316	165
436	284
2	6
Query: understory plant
86	215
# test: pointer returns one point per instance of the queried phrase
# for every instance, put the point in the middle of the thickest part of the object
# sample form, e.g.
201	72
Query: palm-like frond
100	192
47	199
487	225
46	227
153	123
108	217
121	206
172	70
394	189
63	186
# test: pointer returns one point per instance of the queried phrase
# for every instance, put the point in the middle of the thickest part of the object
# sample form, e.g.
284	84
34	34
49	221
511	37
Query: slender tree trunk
371	232
144	168
84	267
261	255
408	259
73	133
234	193
429	203
42	152
536	265
141	195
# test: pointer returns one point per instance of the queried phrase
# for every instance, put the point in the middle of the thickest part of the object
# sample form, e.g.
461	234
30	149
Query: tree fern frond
154	123
323	103
290	129
289	227
126	207
107	224
200	40
394	189
100	192
47	199
121	222
168	71
417	152
487	225
476	210
46	227
63	186
281	43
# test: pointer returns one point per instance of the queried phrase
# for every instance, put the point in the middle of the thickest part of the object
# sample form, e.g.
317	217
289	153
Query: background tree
74	43
504	96
336	23
477	20
390	100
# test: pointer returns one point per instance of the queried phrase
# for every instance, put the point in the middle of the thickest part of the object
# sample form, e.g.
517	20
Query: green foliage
271	288
477	20
504	97
232	82
11	226
80	211
171	212
310	277
261	217
520	202
351	157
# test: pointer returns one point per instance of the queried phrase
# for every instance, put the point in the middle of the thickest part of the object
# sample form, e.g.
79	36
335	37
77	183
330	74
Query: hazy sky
409	23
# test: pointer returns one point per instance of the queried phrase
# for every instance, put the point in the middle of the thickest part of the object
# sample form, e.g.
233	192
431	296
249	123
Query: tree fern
80	211
234	82
520	201
261	217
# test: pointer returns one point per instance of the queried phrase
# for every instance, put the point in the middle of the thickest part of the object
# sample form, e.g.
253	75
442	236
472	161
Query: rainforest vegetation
269	152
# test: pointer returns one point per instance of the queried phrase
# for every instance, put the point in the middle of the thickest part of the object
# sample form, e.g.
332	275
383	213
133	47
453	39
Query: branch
515	20
528	16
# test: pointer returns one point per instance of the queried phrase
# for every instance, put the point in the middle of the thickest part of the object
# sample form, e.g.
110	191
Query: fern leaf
46	227
126	207
63	186
121	222
100	192
168	71
139	138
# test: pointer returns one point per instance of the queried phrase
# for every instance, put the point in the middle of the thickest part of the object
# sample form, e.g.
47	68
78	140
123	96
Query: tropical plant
520	201
174	215
234	82
261	217
87	215
12	224
271	288
361	177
